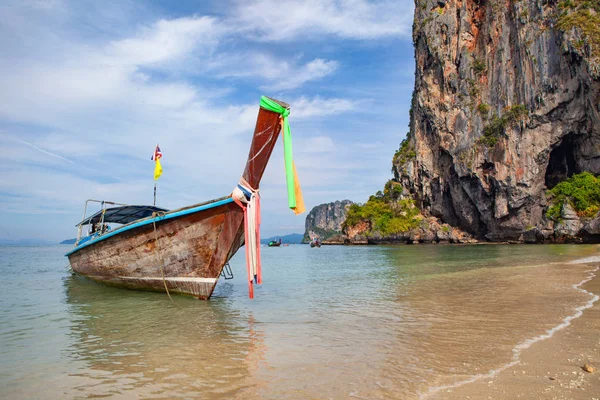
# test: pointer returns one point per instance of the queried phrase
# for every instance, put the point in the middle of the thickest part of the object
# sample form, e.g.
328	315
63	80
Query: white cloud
44	151
275	20
165	41
317	106
280	74
81	114
290	78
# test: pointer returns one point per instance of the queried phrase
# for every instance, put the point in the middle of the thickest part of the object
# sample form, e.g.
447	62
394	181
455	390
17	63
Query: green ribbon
271	105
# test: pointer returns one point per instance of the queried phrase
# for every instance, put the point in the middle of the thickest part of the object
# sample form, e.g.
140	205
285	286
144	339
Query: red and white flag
157	154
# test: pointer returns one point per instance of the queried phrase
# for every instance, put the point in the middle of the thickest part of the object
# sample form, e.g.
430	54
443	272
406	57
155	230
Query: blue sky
90	87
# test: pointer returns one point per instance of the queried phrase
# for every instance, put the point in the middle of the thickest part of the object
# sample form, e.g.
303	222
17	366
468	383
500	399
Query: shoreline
548	366
449	243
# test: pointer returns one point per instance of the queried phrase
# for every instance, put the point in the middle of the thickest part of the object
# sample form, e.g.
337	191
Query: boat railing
226	272
103	203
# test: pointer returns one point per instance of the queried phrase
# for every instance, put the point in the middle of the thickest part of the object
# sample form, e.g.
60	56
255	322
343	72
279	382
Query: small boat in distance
274	243
315	243
184	250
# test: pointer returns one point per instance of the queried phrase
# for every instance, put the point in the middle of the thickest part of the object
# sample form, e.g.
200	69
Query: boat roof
122	214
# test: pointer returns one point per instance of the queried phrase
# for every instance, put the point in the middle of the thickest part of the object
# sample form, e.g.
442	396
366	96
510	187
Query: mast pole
154	193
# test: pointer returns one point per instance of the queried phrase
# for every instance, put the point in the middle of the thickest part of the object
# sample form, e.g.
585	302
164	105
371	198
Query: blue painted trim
144	222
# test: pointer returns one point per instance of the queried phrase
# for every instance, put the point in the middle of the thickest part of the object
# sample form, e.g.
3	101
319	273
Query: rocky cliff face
325	222
506	105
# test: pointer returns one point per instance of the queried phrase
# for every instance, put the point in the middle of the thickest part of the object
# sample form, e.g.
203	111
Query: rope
248	199
156	246
254	226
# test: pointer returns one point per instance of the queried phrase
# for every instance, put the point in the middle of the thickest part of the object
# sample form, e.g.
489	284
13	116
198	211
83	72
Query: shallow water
329	322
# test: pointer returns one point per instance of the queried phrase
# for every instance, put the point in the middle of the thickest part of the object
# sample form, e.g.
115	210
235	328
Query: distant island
325	222
69	241
292	238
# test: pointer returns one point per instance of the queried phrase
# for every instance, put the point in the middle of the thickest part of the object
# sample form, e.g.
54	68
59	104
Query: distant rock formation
325	222
429	230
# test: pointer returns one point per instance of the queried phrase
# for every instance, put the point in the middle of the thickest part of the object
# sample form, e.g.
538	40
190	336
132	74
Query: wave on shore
592	259
518	349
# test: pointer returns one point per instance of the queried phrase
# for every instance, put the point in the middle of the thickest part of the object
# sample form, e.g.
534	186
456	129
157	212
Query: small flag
157	167
157	154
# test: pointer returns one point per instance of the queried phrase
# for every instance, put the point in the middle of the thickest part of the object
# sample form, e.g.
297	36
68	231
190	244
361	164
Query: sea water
373	322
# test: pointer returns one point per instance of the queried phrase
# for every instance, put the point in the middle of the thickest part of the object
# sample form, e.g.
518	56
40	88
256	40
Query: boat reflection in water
137	345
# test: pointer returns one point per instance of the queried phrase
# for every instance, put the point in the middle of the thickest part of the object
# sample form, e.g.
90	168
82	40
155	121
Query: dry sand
551	368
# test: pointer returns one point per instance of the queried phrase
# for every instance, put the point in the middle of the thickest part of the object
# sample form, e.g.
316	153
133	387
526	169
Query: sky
88	88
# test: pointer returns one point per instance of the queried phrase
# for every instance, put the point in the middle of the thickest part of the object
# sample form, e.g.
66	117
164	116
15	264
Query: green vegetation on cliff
322	234
496	128
583	15
405	152
582	191
483	109
385	213
479	66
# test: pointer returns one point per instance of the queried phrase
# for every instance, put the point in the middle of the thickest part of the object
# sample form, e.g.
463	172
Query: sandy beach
550	368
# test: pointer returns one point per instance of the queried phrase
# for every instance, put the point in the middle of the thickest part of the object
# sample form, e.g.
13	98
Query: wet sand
550	368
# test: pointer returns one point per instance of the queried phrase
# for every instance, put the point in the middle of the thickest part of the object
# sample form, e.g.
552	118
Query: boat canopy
122	214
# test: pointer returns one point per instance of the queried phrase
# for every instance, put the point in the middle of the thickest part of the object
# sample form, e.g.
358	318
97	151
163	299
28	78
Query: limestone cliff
506	105
325	222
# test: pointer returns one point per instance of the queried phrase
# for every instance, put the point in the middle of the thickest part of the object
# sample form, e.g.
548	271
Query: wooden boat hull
184	249
191	249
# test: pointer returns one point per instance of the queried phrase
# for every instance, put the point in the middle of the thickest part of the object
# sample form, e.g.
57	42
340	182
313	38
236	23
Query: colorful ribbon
249	200
295	198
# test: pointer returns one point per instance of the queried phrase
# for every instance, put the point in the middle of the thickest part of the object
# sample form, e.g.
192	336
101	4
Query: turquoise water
329	322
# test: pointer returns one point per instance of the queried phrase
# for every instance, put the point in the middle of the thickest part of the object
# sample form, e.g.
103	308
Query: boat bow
195	242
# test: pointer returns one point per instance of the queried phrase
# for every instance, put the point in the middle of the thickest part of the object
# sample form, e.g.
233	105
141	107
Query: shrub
496	128
582	191
483	109
578	14
473	89
554	212
387	218
493	131
392	190
405	152
568	4
479	66
515	113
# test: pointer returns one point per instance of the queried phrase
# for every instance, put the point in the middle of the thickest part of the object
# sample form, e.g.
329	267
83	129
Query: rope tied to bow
161	260
248	199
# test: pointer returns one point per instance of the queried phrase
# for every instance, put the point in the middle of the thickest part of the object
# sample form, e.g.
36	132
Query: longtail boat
185	250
